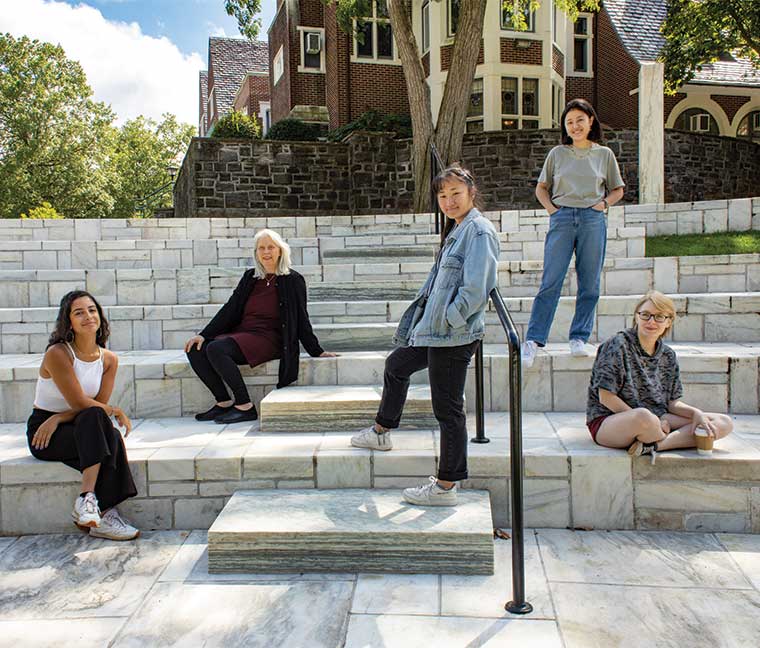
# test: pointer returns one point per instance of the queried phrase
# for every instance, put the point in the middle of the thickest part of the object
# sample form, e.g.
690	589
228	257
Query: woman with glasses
634	399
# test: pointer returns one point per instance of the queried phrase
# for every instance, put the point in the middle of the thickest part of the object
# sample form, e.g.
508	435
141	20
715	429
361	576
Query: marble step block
380	254
339	407
350	530
356	337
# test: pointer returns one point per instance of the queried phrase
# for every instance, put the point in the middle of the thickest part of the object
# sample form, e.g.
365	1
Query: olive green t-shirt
580	177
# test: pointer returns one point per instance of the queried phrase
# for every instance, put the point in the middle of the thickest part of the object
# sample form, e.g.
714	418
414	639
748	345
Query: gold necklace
268	280
83	354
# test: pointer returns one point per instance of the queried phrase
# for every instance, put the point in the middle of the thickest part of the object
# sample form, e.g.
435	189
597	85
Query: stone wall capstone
371	173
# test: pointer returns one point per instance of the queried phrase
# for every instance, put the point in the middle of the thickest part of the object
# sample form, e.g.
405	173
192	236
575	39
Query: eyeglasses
659	318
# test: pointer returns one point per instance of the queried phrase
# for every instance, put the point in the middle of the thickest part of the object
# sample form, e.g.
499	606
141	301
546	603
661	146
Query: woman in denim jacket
440	331
579	181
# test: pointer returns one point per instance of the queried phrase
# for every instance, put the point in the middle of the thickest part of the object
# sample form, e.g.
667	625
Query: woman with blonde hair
265	318
634	399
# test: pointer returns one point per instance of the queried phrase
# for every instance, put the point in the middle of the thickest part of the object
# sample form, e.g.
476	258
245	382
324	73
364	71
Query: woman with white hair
265	318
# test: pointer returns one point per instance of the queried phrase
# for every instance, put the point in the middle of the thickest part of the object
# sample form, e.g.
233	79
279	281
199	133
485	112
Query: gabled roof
231	59
638	23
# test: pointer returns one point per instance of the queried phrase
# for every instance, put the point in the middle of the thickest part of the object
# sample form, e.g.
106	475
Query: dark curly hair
595	134
456	172
63	331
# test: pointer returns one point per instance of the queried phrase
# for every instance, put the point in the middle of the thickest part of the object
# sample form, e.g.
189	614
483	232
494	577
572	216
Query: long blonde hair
283	264
662	303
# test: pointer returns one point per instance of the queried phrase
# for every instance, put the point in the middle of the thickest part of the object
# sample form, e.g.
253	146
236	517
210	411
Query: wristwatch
606	205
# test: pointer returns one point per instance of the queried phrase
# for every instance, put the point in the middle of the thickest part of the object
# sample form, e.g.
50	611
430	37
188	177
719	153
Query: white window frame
698	119
449	32
265	115
531	20
558	104
210	106
479	118
425	26
374	59
302	31
278	66
519	114
589	38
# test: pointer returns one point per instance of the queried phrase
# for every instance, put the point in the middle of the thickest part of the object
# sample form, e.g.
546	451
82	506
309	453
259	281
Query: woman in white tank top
71	420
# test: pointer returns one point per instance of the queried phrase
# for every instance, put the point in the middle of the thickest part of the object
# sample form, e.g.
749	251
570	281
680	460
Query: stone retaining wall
371	172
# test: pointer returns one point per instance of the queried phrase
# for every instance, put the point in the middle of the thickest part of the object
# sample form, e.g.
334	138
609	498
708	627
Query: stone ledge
185	471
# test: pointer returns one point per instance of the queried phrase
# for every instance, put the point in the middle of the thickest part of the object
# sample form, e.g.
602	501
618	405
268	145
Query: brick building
522	80
237	78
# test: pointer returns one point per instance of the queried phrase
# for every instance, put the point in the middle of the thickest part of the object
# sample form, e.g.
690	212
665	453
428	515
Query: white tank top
48	397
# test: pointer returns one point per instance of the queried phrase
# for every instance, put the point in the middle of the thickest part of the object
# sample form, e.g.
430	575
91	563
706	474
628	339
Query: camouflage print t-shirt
640	380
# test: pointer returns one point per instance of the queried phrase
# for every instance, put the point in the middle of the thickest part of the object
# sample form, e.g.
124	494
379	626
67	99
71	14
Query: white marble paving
638	558
397	594
5	543
60	576
69	633
745	550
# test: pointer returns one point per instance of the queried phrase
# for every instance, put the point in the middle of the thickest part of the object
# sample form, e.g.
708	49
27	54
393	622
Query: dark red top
259	334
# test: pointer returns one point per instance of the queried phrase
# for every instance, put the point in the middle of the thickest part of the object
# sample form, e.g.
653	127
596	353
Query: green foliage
294	130
704	244
44	211
703	32
244	11
372	120
236	124
52	134
141	154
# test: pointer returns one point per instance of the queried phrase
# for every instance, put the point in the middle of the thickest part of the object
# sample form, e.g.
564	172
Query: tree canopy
59	146
706	31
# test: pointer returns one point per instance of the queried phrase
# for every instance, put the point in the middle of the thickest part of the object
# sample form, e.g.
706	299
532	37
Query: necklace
86	355
580	153
269	279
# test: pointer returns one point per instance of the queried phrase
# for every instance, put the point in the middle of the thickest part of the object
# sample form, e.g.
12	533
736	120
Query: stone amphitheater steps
372	281
185	471
335	531
150	384
359	325
339	407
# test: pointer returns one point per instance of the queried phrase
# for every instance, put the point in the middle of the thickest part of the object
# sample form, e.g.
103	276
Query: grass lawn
700	244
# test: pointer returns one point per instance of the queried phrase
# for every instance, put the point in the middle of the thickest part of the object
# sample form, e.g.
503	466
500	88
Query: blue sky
142	57
187	23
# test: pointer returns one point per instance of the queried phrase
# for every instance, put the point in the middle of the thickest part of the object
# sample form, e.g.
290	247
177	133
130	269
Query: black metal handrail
151	200
518	604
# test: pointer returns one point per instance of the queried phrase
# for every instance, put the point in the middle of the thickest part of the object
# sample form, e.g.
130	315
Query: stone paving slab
589	589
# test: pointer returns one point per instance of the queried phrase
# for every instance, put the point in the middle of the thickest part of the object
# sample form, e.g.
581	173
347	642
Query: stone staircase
160	280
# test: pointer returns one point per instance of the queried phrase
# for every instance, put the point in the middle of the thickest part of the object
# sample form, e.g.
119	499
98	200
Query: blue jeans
571	229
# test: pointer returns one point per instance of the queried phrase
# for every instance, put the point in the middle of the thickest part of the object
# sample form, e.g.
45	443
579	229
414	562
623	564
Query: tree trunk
456	94
419	101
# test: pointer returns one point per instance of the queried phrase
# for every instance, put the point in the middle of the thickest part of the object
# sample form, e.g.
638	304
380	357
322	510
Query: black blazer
291	290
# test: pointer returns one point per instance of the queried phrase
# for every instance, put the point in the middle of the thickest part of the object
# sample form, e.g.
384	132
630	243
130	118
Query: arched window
749	127
697	120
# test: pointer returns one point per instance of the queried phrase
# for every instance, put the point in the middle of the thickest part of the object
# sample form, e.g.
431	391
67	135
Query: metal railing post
480	434
518	604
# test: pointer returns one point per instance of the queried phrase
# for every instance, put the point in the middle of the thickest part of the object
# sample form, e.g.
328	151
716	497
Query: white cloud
135	73
215	30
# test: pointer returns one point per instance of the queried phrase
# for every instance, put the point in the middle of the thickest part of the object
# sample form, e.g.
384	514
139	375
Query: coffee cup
704	441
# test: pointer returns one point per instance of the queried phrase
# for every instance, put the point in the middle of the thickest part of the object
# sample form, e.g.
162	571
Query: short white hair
283	265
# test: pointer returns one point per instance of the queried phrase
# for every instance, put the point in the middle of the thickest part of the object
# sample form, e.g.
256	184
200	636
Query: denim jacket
449	309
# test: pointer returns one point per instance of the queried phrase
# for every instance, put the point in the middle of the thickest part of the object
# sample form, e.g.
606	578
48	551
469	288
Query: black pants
447	371
89	439
217	363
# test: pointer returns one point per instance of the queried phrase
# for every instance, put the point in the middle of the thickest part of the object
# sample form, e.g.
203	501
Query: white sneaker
431	494
114	527
579	349
528	353
368	438
86	513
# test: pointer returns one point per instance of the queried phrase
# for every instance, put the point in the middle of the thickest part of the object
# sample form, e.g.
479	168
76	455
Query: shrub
45	210
238	125
372	120
294	130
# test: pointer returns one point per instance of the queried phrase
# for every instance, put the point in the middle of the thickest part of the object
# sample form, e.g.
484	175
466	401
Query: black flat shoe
237	416
211	414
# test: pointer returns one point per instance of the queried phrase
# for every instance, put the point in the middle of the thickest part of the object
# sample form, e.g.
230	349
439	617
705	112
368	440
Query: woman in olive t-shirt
579	181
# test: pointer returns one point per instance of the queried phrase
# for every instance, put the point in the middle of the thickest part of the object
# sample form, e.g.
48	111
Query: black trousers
447	371
89	439
216	364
